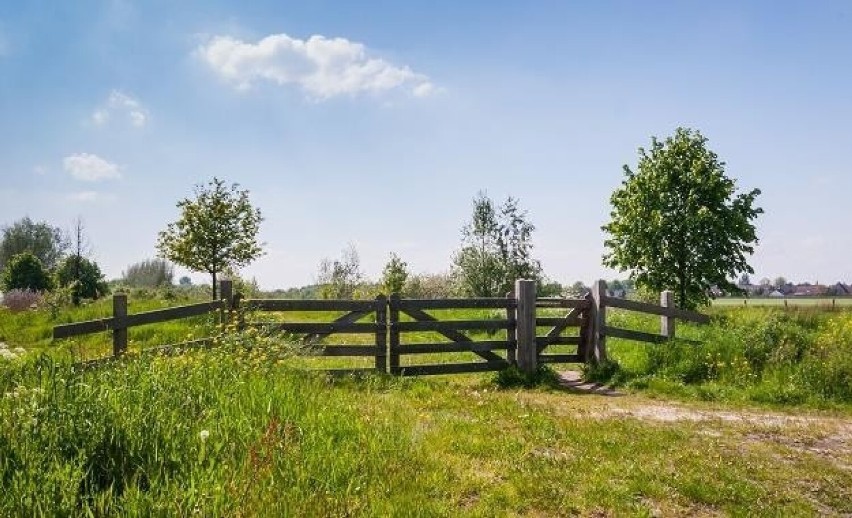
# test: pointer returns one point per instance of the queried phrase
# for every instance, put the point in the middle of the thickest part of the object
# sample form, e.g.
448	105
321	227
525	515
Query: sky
376	123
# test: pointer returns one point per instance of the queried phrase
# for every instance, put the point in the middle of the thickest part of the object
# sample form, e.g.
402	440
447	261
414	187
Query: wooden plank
349	318
451	347
511	330
381	305
598	313
175	313
562	303
558	340
393	333
119	314
452	368
642	307
82	328
558	328
308	305
570	320
667	323
448	333
560	358
627	334
527	354
317	328
348	350
447	325
477	303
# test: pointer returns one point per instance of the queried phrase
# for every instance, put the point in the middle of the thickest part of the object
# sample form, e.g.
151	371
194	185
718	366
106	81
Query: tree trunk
214	285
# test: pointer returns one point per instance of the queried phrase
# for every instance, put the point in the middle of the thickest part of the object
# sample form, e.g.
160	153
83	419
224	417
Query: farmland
247	430
823	302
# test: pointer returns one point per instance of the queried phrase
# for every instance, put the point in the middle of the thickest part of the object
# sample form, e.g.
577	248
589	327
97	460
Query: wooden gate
418	320
576	316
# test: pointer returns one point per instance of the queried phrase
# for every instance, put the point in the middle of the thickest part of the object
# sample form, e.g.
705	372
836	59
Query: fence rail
522	345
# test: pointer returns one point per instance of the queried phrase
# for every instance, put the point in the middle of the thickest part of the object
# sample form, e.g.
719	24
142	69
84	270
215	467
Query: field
757	420
824	302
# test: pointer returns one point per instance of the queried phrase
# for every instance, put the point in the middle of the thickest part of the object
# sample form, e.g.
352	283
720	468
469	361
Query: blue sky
376	123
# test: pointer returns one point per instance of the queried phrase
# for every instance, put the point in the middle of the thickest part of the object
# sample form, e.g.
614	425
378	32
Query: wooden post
226	293
667	323
235	307
598	353
511	331
119	330
381	333
527	352
393	333
587	331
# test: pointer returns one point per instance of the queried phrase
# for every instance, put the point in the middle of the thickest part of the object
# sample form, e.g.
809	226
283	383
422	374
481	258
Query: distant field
791	301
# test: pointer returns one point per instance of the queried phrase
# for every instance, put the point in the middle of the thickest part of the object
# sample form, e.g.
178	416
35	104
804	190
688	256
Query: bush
512	377
151	273
25	272
21	300
84	277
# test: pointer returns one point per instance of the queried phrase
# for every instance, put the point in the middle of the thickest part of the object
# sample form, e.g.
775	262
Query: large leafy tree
83	276
217	230
394	275
25	272
496	249
151	273
679	223
47	243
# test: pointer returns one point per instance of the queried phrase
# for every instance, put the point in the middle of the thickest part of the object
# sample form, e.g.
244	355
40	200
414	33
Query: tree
45	242
216	230
185	281
496	249
745	280
151	273
779	282
339	279
394	275
83	277
678	222
25	272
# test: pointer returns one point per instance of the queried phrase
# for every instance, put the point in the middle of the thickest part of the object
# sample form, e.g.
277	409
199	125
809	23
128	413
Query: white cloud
119	104
90	168
322	67
83	196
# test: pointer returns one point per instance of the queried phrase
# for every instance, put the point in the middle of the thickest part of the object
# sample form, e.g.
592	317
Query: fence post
119	330
226	293
381	333
527	352
598	353
511	330
667	323
393	334
587	330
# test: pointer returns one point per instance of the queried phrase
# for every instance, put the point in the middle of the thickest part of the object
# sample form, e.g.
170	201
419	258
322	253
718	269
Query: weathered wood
452	347
560	358
393	333
633	305
525	325
667	323
348	318
138	319
449	325
308	305
226	295
82	328
381	353
584	349
543	342
119	334
348	350
511	336
598	344
627	334
452	368
562	303
478	303
569	320
318	328
448	333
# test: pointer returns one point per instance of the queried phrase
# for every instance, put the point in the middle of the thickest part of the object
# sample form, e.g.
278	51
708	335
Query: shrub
151	273
84	277
21	300
25	272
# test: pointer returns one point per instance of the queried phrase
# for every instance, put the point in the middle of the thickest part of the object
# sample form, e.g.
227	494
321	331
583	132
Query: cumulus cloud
119	104
88	167
322	67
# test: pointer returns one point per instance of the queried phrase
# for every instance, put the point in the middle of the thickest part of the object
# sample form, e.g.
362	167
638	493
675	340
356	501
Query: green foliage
430	286
26	272
340	278
151	273
394	275
47	243
496	249
677	222
216	230
83	276
513	377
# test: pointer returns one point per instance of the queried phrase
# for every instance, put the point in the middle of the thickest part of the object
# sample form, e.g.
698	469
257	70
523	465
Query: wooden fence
389	319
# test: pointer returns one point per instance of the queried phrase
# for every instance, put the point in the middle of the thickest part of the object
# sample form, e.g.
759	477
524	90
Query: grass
822	302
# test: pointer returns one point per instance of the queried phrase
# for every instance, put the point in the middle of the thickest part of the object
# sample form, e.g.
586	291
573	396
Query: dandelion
203	435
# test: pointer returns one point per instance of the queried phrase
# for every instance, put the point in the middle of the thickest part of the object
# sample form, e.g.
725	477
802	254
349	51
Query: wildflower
203	435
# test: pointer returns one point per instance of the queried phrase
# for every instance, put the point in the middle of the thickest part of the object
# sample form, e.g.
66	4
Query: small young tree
217	230
185	281
395	275
83	277
339	279
678	223
25	272
47	243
